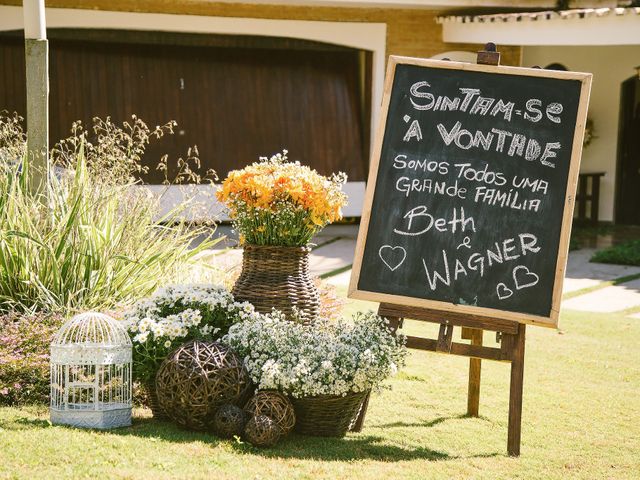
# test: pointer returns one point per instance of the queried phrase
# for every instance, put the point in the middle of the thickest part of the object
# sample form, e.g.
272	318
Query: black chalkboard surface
471	189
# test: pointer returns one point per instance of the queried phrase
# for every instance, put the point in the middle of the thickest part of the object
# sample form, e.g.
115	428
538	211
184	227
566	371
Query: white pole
37	63
34	20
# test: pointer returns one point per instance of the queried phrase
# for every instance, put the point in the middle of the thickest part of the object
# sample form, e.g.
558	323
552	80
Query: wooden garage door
236	98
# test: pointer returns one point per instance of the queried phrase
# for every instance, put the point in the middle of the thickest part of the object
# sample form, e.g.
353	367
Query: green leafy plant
89	240
627	253
589	133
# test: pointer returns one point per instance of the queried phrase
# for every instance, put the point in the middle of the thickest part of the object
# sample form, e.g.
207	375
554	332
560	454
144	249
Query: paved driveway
592	287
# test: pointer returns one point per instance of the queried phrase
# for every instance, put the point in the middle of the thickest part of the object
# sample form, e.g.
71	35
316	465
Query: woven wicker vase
152	401
278	277
328	415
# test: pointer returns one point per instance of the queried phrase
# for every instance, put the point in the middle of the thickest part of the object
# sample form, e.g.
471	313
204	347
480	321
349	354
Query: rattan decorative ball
275	406
229	421
198	378
262	431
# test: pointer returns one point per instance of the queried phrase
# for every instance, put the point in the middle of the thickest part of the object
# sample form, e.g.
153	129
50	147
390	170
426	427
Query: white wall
610	67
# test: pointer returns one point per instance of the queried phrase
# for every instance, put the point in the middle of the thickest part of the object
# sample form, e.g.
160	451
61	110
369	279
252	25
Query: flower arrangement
277	202
326	358
175	315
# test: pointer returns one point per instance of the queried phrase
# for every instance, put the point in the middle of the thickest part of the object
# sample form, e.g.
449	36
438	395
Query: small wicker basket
278	277
327	415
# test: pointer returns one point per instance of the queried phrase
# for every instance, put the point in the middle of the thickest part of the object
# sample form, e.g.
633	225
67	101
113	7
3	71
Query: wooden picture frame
475	311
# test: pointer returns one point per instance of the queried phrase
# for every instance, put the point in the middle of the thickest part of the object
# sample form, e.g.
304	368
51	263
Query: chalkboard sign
471	189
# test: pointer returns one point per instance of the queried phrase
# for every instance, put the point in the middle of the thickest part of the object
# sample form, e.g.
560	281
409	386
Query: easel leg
475	365
515	393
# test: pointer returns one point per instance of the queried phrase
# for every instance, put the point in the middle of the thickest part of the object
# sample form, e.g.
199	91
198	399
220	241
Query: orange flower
276	187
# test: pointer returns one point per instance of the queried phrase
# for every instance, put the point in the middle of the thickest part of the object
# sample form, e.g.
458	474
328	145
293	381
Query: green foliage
627	253
574	244
24	357
91	239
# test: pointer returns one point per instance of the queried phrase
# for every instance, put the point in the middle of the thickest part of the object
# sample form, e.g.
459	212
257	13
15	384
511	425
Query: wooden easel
509	334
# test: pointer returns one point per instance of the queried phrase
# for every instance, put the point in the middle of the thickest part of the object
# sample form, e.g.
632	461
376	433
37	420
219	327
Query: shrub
24	357
574	244
90	240
627	253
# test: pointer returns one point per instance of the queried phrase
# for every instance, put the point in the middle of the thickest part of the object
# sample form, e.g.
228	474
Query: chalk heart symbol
503	291
392	257
523	277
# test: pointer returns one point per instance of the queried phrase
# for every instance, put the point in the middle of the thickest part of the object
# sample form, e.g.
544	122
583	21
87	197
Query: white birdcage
91	373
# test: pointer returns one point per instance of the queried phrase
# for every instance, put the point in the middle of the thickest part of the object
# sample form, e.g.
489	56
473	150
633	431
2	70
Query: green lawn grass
581	419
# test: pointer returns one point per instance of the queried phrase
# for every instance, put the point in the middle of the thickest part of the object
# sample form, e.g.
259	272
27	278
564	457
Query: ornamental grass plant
281	203
89	239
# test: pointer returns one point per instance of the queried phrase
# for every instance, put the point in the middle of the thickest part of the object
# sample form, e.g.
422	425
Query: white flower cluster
172	312
320	359
277	159
174	326
177	314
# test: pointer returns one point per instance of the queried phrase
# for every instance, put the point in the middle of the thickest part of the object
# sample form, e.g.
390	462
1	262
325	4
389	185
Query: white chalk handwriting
426	222
507	250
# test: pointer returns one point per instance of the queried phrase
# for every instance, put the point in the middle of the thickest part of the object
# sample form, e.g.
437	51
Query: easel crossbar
437	316
463	349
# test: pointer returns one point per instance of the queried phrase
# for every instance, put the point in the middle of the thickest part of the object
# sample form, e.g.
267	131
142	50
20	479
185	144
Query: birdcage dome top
92	328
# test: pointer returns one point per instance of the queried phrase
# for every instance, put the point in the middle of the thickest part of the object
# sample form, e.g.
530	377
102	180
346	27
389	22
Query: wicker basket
278	277
329	415
152	401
